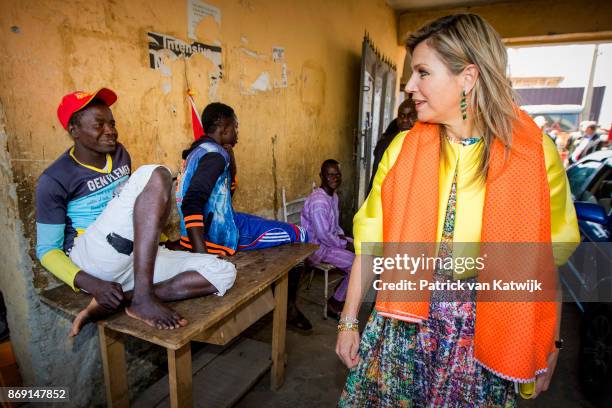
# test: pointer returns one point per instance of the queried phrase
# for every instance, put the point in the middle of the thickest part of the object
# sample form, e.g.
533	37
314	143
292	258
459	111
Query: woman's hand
347	347
543	380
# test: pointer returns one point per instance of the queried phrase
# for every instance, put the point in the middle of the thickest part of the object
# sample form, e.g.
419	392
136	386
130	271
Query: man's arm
203	181
50	225
195	233
51	204
325	232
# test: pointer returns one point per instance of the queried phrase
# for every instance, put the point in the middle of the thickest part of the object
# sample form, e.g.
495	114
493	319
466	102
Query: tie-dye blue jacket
218	213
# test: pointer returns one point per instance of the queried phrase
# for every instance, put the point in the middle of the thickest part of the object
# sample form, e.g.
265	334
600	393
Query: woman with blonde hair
473	169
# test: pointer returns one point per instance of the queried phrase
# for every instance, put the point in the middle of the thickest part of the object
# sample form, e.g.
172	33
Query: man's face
96	130
589	131
230	132
331	177
404	120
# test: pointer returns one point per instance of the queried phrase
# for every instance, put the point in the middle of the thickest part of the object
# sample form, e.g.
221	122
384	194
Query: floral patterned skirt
424	365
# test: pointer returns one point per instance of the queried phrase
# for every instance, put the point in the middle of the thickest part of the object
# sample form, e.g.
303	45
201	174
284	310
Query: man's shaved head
406	115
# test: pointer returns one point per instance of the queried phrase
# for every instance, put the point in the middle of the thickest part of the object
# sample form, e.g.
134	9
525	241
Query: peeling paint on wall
278	56
262	72
253	71
251	53
164	69
196	12
262	83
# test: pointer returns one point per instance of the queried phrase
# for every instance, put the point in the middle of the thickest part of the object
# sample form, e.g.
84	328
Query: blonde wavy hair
464	39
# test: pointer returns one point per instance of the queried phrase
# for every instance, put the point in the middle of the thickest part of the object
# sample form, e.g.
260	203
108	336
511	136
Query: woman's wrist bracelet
343	326
348	319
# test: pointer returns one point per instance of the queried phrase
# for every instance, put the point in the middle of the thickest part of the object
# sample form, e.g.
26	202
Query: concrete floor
315	377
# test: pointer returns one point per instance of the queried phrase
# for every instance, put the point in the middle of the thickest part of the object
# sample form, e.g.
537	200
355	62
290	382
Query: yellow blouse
367	224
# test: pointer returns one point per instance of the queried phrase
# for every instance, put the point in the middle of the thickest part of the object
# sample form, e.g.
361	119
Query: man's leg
151	212
342	259
257	232
204	275
183	286
295	317
122	245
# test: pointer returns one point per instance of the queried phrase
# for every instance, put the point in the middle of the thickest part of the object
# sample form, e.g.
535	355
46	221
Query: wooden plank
224	380
235	324
65	299
115	370
257	270
179	377
277	376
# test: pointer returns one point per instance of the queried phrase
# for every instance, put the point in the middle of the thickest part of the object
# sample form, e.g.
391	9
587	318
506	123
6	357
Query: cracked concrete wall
290	70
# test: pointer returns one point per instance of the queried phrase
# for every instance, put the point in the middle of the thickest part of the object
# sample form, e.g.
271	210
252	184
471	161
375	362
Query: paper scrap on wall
196	12
278	54
262	83
278	57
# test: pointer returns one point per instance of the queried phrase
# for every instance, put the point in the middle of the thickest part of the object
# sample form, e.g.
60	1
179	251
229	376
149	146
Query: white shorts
95	255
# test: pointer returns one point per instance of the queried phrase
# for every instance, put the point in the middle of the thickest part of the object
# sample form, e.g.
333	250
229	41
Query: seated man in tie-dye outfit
320	218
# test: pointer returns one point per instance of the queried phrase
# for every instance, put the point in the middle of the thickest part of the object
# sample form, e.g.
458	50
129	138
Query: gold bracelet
348	327
348	319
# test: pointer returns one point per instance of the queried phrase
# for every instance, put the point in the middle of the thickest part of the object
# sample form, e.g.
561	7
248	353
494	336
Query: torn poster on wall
196	12
158	42
162	46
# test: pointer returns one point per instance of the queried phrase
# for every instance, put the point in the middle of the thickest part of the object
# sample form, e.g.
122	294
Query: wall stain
312	87
274	178
65	34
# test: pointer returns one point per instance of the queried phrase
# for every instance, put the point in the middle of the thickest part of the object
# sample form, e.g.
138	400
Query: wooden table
260	287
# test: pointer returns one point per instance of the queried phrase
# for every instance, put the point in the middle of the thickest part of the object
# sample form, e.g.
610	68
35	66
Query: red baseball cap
75	101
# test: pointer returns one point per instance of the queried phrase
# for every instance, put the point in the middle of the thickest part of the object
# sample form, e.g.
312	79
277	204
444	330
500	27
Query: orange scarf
511	339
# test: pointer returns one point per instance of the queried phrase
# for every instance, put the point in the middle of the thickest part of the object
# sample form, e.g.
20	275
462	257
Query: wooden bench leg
279	326
180	376
115	370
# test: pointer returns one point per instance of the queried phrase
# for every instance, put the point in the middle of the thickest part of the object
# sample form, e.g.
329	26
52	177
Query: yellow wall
55	47
523	22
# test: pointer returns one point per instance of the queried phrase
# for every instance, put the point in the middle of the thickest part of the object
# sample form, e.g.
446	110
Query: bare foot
152	312
94	311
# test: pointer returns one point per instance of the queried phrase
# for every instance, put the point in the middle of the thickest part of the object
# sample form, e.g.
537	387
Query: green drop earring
463	105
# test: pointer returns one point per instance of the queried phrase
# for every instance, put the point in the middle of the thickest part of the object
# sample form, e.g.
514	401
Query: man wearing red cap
98	224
